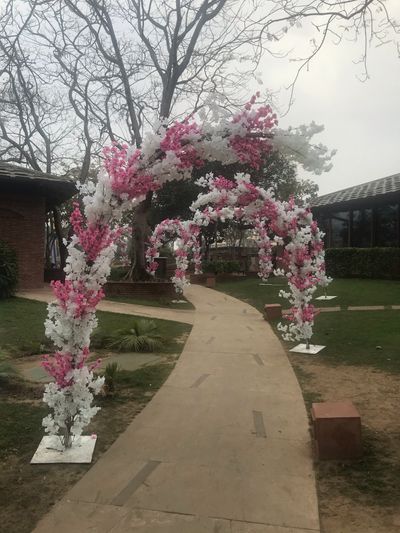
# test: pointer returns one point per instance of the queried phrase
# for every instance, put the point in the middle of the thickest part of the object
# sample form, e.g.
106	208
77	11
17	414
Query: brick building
26	196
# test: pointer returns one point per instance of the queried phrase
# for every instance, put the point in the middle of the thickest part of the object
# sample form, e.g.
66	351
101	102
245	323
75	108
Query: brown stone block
210	282
272	311
337	430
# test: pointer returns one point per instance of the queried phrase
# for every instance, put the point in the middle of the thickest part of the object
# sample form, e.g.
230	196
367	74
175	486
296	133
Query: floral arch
171	153
185	235
275	223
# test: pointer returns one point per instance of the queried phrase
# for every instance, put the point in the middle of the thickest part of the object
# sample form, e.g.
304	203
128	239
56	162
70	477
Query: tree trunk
141	232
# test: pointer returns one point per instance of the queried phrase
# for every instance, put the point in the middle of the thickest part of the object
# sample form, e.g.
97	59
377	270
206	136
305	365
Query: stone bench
337	430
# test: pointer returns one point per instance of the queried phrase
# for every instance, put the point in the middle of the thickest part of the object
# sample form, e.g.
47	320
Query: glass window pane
323	224
362	228
386	225
340	229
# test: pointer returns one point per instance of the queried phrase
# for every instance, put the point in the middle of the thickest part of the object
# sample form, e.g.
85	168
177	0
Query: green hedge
8	271
373	263
118	273
222	267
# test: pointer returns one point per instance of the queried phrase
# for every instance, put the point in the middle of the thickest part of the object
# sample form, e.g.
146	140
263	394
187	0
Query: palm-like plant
141	337
110	377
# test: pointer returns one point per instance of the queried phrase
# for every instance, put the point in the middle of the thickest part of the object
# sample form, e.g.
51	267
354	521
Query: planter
140	289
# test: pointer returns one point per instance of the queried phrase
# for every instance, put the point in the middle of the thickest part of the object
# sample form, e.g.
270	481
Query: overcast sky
362	120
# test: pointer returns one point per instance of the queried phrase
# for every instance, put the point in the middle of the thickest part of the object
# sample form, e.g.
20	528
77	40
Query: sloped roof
371	189
56	189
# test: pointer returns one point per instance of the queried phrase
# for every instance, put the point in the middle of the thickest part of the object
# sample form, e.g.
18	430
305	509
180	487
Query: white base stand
178	301
312	350
50	451
326	297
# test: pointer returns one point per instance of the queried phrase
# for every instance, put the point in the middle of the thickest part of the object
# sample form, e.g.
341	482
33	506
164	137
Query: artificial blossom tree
129	174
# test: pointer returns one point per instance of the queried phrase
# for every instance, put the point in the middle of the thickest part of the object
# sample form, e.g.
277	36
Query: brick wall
22	226
138	289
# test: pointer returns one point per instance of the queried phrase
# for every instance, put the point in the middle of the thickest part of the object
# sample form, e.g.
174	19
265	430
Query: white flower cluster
71	406
296	144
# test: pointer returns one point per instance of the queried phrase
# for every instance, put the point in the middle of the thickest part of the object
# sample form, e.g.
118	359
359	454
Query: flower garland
170	153
186	237
292	227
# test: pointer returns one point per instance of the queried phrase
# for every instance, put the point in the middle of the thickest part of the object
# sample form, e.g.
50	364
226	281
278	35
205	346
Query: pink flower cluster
221	183
176	140
76	296
93	238
126	175
60	365
249	149
251	195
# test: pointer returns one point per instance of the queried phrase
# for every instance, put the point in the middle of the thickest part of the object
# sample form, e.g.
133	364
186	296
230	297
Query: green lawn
348	292
351	337
360	338
22	327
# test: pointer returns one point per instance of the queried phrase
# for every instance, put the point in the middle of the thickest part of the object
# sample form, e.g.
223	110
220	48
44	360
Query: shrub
373	263
99	339
110	377
118	273
141	337
222	267
8	271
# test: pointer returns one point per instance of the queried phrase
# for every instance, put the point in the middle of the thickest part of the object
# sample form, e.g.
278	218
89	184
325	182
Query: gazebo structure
362	216
26	199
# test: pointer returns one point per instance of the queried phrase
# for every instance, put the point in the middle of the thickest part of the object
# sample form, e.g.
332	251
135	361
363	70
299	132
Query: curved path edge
177	315
223	447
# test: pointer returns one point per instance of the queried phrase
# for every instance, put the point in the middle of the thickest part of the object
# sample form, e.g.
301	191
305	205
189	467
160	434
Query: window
362	228
386	225
340	229
324	225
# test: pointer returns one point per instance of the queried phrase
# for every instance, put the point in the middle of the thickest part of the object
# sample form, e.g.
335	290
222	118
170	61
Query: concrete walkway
223	447
177	315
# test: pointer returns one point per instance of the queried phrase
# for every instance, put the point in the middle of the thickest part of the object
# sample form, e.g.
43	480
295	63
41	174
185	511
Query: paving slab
366	308
333	309
223	447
